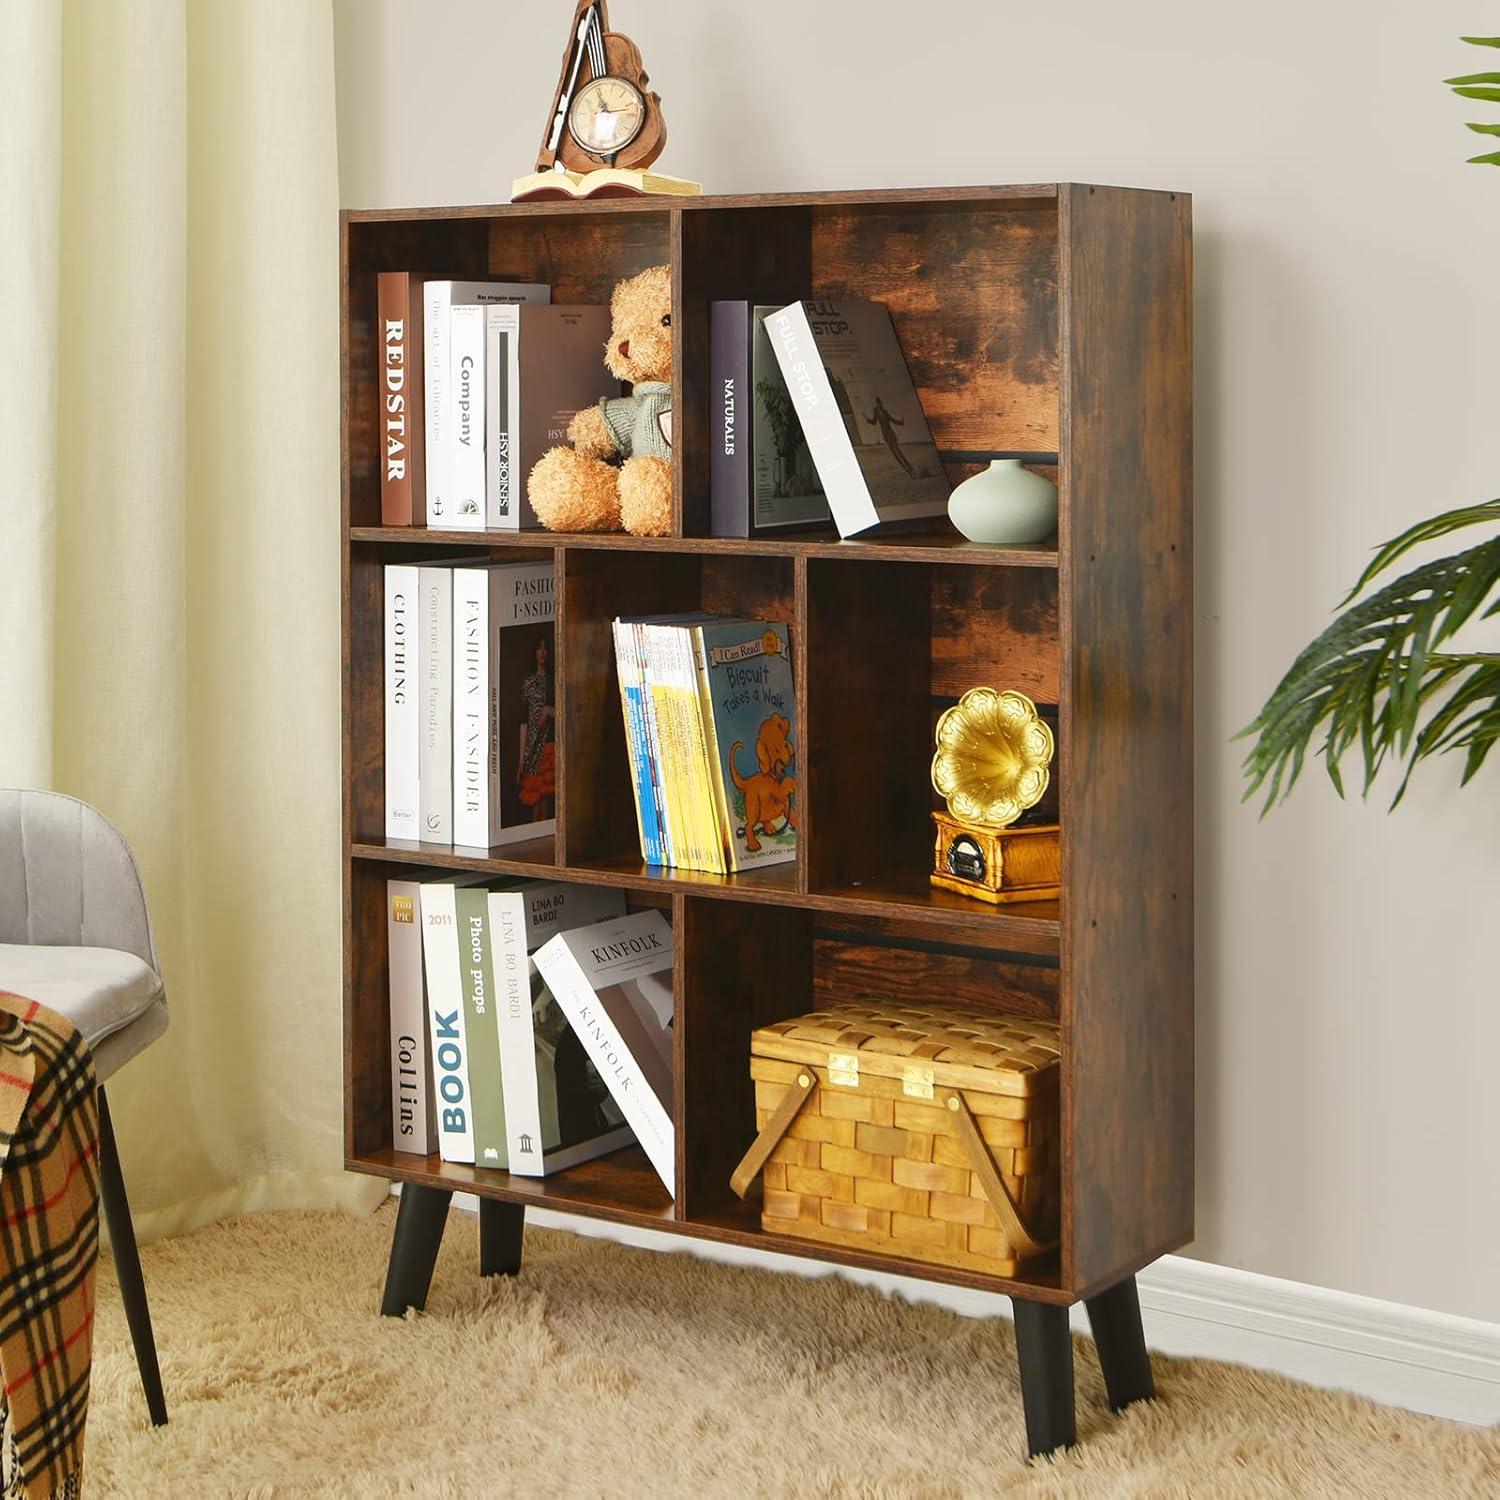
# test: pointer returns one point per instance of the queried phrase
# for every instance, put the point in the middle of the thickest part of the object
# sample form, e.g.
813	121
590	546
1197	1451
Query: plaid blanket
49	1242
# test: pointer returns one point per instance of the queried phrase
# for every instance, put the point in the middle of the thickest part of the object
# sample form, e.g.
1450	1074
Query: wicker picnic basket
929	1132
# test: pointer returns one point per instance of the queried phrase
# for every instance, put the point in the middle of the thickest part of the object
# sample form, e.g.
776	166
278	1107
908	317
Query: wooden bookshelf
1052	322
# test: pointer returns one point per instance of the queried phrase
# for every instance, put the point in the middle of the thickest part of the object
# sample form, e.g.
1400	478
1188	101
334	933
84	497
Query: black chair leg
420	1221
128	1265
1044	1350
500	1229
1115	1317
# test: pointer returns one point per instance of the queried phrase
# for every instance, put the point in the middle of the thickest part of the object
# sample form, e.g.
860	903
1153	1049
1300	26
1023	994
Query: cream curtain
169	474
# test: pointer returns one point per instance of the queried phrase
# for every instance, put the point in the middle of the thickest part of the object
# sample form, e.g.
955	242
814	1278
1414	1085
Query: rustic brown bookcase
1053	322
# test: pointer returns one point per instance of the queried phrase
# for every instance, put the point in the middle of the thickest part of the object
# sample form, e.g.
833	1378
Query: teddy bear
586	487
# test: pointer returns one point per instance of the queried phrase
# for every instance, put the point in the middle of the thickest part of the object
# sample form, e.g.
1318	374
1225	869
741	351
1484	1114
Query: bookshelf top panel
1028	194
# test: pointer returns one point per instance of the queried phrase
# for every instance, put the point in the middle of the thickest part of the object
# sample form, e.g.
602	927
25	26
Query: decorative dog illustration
769	793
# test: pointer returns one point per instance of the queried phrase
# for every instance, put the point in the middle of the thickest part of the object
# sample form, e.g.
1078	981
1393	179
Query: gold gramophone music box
991	763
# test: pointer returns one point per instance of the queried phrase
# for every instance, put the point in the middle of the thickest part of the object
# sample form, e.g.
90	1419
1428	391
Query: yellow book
710	747
700	772
663	717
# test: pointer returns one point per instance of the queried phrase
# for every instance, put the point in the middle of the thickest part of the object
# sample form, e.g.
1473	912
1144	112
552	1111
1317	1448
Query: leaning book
749	709
613	982
859	411
558	1111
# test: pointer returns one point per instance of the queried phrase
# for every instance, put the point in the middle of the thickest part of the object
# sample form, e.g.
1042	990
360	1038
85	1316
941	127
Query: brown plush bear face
640	344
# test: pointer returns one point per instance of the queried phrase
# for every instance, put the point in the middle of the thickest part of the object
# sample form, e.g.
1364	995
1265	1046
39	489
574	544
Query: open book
604	182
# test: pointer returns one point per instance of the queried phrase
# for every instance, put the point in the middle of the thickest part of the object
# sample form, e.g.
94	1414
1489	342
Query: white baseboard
1403	1356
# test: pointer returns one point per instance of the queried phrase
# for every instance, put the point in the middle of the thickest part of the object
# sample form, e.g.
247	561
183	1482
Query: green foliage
1480	86
782	416
1376	678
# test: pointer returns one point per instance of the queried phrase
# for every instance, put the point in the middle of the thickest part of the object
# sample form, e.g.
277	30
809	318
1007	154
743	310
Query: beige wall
1347	314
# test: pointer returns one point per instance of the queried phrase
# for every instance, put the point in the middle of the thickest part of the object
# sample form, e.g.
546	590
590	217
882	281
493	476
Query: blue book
750	728
647	803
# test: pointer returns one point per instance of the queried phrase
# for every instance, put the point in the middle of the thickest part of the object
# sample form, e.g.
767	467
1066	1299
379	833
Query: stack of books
711	731
815	415
469	704
531	1024
478	379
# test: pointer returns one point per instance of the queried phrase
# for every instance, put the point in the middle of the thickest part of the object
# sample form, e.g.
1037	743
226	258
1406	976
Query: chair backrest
67	877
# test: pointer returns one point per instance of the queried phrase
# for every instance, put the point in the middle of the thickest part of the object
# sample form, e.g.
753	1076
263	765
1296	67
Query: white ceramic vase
1004	505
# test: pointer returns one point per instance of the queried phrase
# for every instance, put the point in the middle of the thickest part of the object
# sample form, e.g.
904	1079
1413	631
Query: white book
502	417
446	1028
613	981
503	747
822	423
413	1122
439	298
466	428
435	702
522	917
402	720
876	466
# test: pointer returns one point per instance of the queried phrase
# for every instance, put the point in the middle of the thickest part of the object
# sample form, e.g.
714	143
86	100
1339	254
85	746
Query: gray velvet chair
75	936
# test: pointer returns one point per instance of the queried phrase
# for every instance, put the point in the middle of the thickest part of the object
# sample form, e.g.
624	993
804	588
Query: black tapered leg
414	1247
128	1265
1115	1317
500	1227
1044	1349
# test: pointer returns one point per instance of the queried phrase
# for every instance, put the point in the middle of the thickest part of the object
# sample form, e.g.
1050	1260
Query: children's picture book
613	982
859	409
750	726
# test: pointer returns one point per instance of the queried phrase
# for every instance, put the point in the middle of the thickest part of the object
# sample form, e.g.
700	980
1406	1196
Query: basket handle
990	1180
799	1091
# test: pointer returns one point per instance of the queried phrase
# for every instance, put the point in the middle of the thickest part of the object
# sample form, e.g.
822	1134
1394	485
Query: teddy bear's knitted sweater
634	421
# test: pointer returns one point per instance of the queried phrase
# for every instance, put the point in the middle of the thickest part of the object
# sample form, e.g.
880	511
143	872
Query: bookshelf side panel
367	1056
1127	729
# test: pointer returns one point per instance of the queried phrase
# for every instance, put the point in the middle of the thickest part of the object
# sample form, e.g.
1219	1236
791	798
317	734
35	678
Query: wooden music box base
997	864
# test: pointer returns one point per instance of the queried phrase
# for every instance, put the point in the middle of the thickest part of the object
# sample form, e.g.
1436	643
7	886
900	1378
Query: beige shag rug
609	1371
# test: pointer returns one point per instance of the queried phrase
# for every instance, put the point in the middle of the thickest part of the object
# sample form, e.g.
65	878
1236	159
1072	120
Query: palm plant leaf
1480	86
1379	669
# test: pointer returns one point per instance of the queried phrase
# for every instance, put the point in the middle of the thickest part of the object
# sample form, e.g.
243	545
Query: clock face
607	114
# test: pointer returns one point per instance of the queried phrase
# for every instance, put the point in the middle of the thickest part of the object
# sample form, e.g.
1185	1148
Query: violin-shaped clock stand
605	126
